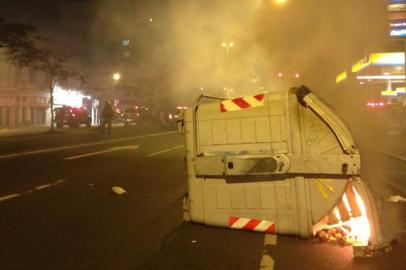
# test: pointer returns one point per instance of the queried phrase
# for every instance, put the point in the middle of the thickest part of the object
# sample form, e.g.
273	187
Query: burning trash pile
347	224
340	234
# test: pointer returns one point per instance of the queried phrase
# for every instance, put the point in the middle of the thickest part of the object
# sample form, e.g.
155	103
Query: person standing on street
107	116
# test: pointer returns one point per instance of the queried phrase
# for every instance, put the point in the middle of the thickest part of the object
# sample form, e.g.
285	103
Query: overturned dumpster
281	162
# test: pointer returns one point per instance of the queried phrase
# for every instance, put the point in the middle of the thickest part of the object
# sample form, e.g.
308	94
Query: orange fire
347	223
360	228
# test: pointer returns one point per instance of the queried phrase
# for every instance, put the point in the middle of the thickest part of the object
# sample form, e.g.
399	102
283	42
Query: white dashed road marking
112	149
164	151
35	152
43	186
37	188
8	197
267	263
396	156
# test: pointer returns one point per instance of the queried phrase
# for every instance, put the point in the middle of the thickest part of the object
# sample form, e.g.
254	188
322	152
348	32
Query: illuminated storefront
24	98
384	70
75	98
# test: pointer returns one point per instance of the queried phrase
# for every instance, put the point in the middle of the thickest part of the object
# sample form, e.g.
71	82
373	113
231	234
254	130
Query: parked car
72	117
130	116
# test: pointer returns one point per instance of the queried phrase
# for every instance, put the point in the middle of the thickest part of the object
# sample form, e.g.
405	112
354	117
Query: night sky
180	41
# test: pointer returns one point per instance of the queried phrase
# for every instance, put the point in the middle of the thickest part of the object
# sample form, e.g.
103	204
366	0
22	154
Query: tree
55	66
18	39
28	49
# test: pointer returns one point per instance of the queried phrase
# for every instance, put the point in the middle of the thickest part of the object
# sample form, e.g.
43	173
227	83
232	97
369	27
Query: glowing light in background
389	93
69	97
116	76
382	77
280	2
400	90
126	42
375	104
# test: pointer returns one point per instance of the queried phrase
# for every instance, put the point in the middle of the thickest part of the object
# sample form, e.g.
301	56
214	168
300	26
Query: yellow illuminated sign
388	93
396	58
396	7
341	77
380	59
361	64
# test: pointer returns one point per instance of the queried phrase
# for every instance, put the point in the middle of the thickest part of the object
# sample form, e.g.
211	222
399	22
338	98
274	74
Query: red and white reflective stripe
251	224
240	103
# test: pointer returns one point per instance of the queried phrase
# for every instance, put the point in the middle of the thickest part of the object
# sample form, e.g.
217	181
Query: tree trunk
51	92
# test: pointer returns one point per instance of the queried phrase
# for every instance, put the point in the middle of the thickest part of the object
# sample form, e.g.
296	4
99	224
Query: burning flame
360	228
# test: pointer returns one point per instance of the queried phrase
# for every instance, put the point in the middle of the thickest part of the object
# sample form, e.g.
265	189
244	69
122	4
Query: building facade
24	98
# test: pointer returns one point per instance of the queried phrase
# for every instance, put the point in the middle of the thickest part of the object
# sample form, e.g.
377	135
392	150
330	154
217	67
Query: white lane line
271	239
43	186
15	195
267	262
112	149
395	156
164	151
8	197
54	149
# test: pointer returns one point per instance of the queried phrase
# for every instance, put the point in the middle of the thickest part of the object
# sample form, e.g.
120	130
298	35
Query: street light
280	2
227	45
116	76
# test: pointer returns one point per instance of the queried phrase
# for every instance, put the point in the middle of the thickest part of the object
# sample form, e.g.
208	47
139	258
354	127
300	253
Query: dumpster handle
195	106
307	99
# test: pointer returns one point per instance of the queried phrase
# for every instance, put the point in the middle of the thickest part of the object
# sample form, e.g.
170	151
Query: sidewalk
6	132
37	130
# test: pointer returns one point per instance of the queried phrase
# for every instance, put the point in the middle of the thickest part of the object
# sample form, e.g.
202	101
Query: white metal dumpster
278	162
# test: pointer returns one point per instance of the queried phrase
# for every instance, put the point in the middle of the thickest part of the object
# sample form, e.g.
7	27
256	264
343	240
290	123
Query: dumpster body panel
280	166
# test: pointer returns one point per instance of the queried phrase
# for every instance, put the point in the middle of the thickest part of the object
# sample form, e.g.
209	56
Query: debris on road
396	198
339	234
119	190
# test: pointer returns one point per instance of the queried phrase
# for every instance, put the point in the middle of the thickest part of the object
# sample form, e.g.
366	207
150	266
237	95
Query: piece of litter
194	241
396	198
91	185
119	190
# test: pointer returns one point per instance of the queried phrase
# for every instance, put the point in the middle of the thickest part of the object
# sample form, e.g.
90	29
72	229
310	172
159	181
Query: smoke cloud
183	40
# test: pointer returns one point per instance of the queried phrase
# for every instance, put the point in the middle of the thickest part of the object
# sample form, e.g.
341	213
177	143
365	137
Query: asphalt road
58	211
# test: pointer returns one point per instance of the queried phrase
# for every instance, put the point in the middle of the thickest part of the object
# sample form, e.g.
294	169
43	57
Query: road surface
58	210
